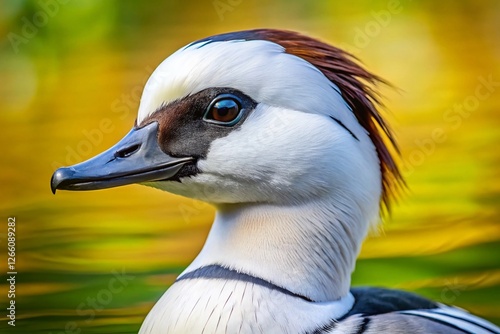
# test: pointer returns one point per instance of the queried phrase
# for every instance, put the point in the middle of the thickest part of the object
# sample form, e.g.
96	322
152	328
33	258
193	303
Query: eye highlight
225	109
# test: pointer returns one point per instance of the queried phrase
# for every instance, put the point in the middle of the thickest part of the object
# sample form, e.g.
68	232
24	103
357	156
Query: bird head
260	116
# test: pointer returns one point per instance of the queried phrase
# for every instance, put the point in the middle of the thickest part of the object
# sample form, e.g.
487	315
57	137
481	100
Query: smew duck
281	133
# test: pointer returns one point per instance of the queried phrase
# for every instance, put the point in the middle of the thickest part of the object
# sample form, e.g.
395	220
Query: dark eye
224	110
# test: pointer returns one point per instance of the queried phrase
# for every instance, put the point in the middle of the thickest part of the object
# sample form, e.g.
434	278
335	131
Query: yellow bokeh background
71	77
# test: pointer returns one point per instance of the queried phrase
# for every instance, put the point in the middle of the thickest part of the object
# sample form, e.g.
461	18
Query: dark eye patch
183	131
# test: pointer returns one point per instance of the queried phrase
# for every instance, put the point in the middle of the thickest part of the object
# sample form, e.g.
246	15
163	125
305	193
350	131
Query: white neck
309	249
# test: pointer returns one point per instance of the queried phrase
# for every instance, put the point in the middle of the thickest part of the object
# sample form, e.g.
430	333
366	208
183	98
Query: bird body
280	132
234	305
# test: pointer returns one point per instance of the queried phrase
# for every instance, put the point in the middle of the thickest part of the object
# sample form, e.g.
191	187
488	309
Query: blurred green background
71	77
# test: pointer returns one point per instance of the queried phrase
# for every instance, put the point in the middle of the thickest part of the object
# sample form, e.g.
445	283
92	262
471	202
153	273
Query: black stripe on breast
364	325
444	323
325	328
215	271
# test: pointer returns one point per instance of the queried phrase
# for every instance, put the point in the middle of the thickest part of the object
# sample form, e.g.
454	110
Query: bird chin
179	187
198	188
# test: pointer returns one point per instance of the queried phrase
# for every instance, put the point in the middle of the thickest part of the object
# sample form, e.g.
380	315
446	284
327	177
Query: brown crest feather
358	88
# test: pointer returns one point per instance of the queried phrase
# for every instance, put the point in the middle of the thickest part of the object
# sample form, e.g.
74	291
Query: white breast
221	306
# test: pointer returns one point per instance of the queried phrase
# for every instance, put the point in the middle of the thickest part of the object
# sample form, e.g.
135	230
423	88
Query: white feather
295	191
260	69
216	306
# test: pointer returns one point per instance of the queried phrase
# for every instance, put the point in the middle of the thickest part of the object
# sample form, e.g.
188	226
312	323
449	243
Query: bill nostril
128	151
